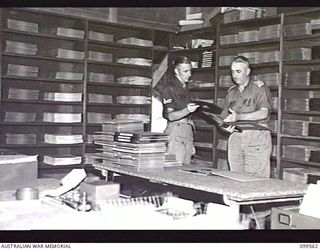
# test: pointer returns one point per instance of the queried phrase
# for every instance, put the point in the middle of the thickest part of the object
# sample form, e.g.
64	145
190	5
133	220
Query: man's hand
192	107
230	129
233	117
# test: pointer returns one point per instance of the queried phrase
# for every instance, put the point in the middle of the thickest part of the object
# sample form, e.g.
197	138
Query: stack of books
23	94
59	160
22	70
62	97
133	99
240	13
93	117
100	56
21	48
136	41
201	43
302	128
248	36
21	138
99	98
101	77
62	139
69	54
270	79
269	32
301	153
270	56
298	78
299	29
105	138
61	117
229	39
69	76
135	61
19	116
297	54
302	104
102	37
207	59
139	117
67	32
134	80
14	24
192	21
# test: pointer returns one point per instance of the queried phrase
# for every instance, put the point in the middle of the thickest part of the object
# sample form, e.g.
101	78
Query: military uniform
174	95
250	150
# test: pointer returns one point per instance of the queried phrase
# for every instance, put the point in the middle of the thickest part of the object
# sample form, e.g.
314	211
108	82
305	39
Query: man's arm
174	115
250	116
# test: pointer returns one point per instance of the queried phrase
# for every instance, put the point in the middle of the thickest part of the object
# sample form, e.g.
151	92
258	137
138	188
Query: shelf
42	166
39	35
254	21
253	66
310	87
40	79
119	85
193	50
311	164
305	62
39	124
200	31
203	148
303	12
41	102
124	46
197	89
122	65
40	145
203	69
117	105
62	60
308	138
296	112
301	37
251	44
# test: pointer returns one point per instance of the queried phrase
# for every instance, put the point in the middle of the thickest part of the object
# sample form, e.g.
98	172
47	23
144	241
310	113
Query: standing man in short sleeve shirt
249	151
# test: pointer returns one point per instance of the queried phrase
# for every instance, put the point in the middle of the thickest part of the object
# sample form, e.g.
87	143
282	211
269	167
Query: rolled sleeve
263	98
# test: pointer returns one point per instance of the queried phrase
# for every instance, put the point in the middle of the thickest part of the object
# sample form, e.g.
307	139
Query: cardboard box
100	190
290	218
18	171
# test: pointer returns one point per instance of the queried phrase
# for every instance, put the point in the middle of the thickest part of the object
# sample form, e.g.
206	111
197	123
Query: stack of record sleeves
201	43
225	81
99	98
298	78
93	117
136	41
301	152
23	94
14	24
141	117
101	77
135	61
226	60
21	138
297	54
73	33
270	56
21	48
298	29
105	138
102	37
22	70
315	24
248	36
69	76
134	80
269	32
203	144
60	160
228	39
61	117
62	97
270	79
100	56
302	104
19	116
62	139
133	99
69	54
302	128
207	58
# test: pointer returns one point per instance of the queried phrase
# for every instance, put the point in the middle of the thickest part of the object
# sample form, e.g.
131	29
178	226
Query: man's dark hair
181	60
242	59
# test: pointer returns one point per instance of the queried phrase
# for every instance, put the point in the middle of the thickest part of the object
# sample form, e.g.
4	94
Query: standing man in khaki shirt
249	151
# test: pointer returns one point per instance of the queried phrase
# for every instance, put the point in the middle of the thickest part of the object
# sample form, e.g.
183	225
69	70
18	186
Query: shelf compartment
307	163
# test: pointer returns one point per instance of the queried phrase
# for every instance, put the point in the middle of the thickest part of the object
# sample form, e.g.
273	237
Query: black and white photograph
160	119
